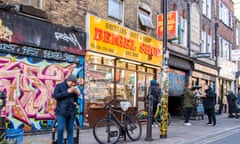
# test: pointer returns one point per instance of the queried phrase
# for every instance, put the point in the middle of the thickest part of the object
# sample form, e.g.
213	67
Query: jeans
63	123
187	115
211	115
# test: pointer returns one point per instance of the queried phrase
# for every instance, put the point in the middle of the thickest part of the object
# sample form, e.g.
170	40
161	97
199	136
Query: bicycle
157	118
108	130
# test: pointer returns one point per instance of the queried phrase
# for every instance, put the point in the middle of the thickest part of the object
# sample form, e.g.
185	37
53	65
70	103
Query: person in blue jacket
66	95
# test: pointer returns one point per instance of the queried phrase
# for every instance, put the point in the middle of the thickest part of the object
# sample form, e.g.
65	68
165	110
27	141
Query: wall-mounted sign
235	55
37	52
27	31
110	38
172	25
201	55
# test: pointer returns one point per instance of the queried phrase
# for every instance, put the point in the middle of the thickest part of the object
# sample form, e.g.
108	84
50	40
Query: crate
14	136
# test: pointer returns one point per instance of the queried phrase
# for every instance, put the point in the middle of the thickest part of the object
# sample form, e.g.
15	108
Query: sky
237	8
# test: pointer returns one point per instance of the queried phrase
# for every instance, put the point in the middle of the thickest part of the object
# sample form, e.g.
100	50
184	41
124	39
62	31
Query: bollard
149	121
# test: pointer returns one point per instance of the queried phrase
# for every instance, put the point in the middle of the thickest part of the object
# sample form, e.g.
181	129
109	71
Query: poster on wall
176	82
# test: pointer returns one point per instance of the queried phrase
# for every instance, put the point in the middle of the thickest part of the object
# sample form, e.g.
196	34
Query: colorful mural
29	84
176	82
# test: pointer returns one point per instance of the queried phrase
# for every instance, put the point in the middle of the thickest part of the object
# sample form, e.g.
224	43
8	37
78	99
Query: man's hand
71	90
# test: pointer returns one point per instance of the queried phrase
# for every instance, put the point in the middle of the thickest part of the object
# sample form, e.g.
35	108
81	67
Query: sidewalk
177	132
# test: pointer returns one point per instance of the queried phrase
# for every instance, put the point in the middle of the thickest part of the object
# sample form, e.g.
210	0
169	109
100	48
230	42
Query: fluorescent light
123	60
156	67
101	55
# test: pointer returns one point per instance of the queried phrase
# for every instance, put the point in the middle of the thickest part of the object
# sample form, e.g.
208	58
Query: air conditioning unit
30	10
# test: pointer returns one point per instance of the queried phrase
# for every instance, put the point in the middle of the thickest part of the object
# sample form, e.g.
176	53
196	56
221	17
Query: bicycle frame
122	124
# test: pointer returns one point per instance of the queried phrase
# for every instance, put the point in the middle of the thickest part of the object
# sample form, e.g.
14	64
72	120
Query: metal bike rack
76	138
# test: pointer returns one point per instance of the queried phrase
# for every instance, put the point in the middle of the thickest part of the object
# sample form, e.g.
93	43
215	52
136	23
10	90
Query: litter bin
14	136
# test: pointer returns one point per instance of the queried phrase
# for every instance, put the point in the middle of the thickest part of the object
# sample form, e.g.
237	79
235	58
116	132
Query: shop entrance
175	105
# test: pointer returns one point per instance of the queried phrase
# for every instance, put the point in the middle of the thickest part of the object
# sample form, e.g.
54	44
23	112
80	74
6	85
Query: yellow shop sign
109	38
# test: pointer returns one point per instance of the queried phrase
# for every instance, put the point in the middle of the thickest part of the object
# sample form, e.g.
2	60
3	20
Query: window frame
144	10
31	2
112	7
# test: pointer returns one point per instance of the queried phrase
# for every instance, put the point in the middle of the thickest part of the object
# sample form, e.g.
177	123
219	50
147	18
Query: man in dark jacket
66	95
232	107
209	104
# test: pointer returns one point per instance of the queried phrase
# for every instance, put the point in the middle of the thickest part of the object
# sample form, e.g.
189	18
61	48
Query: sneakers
187	124
208	124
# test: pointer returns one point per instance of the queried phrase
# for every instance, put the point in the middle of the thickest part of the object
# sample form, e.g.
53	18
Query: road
230	137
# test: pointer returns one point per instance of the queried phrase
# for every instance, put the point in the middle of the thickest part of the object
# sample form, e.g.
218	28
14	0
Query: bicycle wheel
134	127
106	131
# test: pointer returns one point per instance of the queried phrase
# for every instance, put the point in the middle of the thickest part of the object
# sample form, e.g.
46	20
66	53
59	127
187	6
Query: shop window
95	59
100	85
150	70
34	3
131	66
107	61
121	64
115	9
126	86
144	18
141	68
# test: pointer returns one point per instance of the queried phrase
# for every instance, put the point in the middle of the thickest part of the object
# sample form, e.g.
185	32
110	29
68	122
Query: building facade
115	49
225	42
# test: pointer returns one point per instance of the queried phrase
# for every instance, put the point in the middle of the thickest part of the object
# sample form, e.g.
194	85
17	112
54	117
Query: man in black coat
66	95
209	99
232	107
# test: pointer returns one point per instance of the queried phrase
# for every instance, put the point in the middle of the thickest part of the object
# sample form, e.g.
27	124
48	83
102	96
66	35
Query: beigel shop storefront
119	65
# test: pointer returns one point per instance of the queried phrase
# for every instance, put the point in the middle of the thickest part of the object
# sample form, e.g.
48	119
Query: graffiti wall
176	82
29	84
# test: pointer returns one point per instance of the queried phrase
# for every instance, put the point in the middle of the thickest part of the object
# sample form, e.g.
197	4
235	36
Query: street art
29	84
176	82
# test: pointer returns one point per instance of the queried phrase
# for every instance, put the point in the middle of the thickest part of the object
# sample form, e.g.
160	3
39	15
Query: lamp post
165	71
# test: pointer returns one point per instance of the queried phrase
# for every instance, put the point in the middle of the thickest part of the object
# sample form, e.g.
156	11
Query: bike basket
125	105
14	136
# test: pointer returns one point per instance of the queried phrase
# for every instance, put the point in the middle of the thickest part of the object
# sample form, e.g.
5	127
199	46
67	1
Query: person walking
232	108
66	95
189	102
155	93
209	101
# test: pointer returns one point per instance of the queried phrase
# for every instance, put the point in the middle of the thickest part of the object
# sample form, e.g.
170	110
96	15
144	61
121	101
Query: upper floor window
224	48
206	8
237	36
115	9
34	3
144	17
182	33
203	41
225	15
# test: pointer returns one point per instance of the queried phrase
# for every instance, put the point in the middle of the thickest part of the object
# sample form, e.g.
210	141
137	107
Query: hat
72	78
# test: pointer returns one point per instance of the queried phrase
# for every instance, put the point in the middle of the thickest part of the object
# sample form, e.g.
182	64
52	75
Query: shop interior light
100	55
123	60
156	67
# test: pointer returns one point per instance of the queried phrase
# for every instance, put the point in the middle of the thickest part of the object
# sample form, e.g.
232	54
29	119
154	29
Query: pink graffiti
29	88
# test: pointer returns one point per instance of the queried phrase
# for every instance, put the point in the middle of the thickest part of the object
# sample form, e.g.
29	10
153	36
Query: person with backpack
154	92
